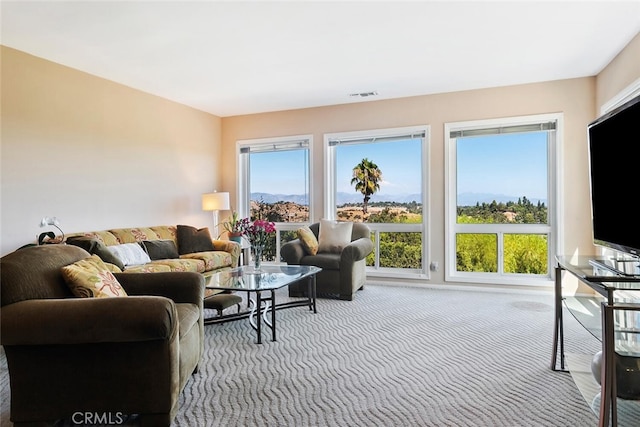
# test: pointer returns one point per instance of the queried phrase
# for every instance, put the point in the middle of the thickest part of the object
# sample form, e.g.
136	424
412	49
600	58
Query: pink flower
258	232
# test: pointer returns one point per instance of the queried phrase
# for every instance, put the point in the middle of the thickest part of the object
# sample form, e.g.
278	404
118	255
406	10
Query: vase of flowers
257	256
258	234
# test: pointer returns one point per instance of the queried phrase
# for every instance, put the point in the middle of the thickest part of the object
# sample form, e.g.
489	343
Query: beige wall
574	98
97	154
577	99
621	72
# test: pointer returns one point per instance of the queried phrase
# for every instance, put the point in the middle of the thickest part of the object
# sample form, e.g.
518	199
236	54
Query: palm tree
366	177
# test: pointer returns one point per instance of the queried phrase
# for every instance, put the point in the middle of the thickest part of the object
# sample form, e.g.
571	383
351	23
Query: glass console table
613	316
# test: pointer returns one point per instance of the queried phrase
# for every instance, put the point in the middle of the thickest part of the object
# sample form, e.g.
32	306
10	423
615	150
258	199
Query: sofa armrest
230	246
179	286
88	320
356	250
292	252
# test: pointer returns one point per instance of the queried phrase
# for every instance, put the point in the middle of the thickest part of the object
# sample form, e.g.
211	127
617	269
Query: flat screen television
614	160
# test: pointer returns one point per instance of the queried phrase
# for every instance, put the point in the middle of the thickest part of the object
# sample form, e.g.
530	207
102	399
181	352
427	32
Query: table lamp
52	238
215	202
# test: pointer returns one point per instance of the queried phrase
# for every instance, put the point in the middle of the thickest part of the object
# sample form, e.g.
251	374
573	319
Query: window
501	205
274	185
379	177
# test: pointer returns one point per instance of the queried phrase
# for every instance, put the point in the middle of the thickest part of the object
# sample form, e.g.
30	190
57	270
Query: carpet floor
395	356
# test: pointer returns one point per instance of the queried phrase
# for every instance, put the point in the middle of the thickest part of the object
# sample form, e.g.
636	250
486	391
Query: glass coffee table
261	289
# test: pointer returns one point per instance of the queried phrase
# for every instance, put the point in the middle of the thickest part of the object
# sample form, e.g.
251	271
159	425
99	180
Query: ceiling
231	58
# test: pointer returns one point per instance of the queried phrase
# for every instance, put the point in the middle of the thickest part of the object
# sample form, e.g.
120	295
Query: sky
512	164
399	162
509	164
282	170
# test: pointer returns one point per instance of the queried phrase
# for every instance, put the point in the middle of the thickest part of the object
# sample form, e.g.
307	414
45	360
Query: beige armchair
342	273
119	356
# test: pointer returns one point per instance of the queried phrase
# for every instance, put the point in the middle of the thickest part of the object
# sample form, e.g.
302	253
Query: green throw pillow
191	240
160	249
95	247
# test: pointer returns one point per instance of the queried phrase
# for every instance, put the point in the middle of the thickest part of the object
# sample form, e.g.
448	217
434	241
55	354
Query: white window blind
369	140
278	146
537	127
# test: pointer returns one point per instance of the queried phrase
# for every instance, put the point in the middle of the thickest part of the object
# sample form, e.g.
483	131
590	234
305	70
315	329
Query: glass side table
613	316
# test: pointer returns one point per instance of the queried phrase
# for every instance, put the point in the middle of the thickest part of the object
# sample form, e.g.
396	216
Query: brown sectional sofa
225	253
121	356
126	357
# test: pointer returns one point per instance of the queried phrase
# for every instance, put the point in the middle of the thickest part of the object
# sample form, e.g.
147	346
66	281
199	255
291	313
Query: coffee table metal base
262	308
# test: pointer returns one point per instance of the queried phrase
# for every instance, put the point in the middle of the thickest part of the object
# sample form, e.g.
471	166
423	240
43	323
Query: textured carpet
395	356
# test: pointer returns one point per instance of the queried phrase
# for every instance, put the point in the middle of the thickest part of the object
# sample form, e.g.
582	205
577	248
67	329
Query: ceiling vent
364	94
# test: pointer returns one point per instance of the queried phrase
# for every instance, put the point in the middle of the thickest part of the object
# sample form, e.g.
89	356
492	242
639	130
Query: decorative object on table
259	234
216	202
627	374
235	227
49	237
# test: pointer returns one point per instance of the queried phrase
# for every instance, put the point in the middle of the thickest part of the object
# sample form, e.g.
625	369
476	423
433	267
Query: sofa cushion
212	260
160	249
148	268
90	278
308	240
326	261
130	254
165	232
188	316
333	236
133	235
180	264
106	237
93	245
191	239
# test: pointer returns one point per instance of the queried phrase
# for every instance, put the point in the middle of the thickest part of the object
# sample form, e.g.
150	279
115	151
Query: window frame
329	200
243	195
554	206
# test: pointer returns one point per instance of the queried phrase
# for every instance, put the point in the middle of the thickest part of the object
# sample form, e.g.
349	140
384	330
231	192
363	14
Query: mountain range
464	199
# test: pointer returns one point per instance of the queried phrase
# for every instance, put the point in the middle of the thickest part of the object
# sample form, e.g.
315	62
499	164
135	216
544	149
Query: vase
235	237
257	256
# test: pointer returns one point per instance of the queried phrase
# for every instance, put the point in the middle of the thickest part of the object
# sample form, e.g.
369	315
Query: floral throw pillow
308	240
91	278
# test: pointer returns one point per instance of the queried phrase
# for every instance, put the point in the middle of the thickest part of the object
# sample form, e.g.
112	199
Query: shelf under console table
612	315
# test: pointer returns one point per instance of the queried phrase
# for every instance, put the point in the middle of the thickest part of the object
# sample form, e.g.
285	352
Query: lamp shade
216	201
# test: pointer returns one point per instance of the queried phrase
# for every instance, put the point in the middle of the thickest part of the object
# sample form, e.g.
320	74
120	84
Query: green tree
366	177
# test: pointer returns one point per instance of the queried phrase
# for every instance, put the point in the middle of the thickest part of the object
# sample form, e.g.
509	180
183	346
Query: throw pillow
130	254
90	278
95	247
308	240
191	240
334	235
160	249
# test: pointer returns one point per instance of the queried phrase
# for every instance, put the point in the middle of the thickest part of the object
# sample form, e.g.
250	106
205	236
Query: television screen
614	158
